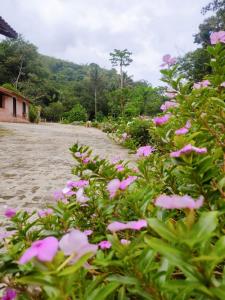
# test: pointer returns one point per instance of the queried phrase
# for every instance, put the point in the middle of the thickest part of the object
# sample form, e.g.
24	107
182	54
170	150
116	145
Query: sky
86	31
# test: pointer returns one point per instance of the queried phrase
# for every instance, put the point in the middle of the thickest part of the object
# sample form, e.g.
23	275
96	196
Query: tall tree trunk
95	103
20	72
121	76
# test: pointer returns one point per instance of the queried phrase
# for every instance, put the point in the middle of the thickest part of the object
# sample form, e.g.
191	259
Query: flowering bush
151	232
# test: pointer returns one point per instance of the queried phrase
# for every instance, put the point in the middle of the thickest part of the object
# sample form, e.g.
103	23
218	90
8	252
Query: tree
95	77
213	23
122	59
195	65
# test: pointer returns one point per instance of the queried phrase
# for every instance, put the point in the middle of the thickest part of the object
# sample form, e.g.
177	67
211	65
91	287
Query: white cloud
85	31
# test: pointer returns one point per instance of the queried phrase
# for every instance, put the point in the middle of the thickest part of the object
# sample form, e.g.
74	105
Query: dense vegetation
154	231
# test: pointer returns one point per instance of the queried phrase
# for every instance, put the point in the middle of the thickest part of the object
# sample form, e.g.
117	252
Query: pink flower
196	86
81	198
202	84
167	105
115	184
135	170
115	160
86	160
113	187
78	184
76	242
188	124
7	234
58	195
205	83
124	136
182	130
126	182
10	213
223	84
68	191
120	168
78	154
145	151
217	37
124	242
43	250
9	295
178	202
161	120
187	149
88	232
105	245
117	226
171	95
45	212
168	60
135	225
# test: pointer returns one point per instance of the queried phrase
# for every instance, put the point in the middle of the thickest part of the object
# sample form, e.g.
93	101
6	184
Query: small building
13	106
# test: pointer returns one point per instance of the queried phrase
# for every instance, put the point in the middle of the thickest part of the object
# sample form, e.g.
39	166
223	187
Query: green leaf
72	269
219	292
175	256
218	101
104	291
219	249
204	228
128	280
162	229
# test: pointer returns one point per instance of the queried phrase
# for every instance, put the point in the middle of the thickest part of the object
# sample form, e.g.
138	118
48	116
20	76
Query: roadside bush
154	231
33	114
53	112
138	130
77	113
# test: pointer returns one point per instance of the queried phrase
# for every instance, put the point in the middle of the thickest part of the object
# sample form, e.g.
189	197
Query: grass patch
4	132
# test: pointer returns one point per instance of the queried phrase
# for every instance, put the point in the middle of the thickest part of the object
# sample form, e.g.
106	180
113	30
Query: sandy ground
35	160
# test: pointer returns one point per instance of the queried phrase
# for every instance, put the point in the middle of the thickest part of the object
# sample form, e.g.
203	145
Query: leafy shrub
53	112
33	114
138	130
153	232
77	113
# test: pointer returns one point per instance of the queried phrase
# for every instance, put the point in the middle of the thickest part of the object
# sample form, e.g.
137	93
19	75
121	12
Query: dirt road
35	160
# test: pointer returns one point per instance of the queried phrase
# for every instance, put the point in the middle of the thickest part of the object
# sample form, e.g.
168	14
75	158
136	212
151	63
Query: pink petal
178	202
182	130
124	242
10	213
113	187
137	225
48	249
28	255
80	196
105	245
145	151
73	241
116	226
88	232
126	182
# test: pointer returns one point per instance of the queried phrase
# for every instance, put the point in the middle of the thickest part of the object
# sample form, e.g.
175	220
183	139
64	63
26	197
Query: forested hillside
60	86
